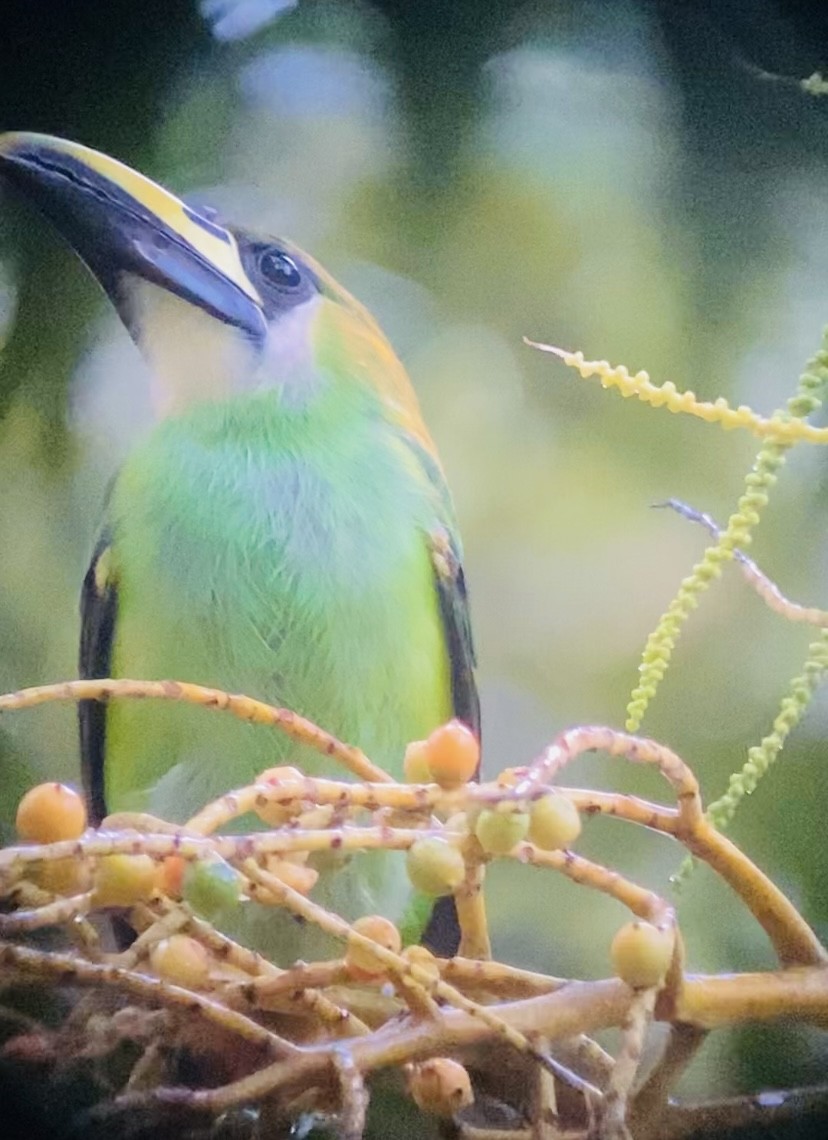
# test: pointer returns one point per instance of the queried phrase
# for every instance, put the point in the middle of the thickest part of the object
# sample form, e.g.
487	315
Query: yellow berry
641	954
122	880
361	960
275	814
501	828
181	960
50	812
434	866
440	1086
63	876
415	763
554	822
452	753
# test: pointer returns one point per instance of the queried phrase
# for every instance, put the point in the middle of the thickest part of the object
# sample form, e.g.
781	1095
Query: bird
284	529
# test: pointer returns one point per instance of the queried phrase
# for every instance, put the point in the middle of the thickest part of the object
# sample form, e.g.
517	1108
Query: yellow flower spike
779	431
762	755
777	426
662	641
737	534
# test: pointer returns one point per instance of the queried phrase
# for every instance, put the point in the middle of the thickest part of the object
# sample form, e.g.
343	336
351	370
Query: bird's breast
297	574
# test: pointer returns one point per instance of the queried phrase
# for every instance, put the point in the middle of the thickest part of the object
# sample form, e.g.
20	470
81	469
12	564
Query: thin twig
295	727
764	586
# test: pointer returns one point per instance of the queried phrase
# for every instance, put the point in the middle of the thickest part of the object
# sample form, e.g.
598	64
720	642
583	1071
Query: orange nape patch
347	331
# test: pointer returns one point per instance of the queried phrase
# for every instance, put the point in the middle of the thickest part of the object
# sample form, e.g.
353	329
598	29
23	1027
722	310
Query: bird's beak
124	225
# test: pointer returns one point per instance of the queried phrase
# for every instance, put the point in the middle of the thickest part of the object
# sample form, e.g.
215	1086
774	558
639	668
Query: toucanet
284	530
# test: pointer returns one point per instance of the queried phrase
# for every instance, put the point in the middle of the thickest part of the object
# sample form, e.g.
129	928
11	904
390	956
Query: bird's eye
279	269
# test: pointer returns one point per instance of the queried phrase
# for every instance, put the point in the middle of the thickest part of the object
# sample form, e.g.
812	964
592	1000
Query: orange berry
295	875
122	880
554	822
170	876
453	754
440	1086
50	812
361	960
415	763
641	954
434	866
181	960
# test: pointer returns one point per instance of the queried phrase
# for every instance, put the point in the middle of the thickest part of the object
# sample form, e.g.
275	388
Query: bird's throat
192	357
195	358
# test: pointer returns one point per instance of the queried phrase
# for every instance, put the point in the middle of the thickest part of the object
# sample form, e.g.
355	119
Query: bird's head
215	310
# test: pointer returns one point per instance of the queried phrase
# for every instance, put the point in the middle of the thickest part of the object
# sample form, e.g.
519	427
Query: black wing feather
442	934
98	605
454	607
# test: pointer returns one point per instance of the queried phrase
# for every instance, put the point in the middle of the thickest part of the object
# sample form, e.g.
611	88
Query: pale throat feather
195	358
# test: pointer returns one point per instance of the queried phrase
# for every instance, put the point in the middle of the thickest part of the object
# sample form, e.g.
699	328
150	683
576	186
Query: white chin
192	356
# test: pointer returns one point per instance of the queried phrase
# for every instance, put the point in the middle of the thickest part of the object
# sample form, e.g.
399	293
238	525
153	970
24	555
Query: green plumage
280	554
301	554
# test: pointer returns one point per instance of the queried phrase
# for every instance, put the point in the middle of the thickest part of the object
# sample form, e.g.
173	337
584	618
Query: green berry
641	954
211	886
501	828
554	822
434	866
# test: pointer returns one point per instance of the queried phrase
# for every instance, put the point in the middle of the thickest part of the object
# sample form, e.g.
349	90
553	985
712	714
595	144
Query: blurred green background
645	182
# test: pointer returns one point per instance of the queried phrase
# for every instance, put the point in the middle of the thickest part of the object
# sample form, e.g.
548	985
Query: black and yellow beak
124	225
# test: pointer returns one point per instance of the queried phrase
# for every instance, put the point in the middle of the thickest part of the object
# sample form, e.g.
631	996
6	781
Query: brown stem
651	1100
791	936
757	1116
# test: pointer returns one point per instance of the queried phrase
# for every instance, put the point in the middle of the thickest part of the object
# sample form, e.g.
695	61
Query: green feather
283	554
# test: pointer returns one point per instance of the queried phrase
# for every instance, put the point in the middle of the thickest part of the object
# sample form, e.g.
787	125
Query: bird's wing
98	605
442	928
447	561
454	610
442	932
